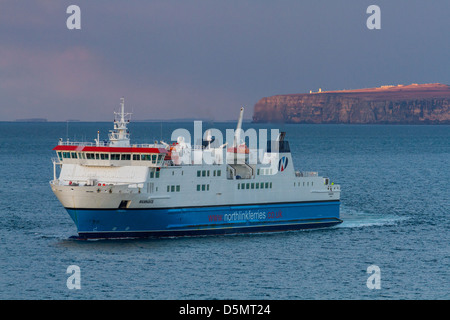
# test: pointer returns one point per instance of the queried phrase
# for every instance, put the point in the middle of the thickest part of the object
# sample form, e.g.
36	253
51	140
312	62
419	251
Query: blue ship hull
211	220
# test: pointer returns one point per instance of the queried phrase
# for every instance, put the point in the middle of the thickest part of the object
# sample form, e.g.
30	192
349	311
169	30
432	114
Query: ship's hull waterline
195	221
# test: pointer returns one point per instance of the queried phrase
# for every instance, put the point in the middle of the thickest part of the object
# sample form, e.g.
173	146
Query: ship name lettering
245	215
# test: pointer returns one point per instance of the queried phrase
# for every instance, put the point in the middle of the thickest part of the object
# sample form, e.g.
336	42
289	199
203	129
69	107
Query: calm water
395	207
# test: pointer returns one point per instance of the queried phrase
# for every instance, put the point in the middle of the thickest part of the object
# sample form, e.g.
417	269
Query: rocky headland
401	104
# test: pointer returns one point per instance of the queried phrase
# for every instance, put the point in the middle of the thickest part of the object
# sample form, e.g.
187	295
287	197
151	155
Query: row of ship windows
217	173
173	188
264	171
200	173
298	184
255	185
114	156
177	188
203	187
154	174
205	173
240	186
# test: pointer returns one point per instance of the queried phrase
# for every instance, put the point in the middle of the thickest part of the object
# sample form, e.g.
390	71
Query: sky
205	59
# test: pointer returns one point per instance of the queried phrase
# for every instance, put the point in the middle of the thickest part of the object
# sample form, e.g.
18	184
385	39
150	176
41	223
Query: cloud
38	79
75	83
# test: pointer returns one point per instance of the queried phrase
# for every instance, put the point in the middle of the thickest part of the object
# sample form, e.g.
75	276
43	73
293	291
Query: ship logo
282	164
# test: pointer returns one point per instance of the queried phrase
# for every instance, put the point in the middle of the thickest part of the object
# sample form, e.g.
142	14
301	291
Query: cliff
411	104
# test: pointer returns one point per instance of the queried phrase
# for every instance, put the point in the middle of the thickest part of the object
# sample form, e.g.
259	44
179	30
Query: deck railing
105	144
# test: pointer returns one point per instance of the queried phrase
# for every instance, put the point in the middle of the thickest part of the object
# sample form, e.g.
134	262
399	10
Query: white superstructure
120	175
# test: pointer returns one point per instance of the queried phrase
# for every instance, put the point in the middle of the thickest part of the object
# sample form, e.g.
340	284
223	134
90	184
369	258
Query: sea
393	244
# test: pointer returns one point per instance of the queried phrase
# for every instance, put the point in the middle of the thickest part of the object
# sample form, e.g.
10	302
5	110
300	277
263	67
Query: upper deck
91	154
117	152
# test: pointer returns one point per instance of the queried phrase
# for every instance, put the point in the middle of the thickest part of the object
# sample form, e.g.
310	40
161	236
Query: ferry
115	189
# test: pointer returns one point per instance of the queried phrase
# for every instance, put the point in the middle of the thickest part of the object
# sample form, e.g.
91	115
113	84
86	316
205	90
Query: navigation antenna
237	134
120	137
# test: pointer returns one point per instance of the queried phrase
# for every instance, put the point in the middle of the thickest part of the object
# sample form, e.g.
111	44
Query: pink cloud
75	83
56	73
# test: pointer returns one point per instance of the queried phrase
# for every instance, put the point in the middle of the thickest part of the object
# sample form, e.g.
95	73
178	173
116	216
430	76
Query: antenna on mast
122	104
119	137
237	134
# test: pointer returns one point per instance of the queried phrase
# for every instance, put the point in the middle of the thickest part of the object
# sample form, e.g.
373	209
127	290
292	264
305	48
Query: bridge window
74	155
104	156
115	156
125	156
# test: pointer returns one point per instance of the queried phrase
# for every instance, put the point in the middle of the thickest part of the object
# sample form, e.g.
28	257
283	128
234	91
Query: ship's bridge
117	152
91	155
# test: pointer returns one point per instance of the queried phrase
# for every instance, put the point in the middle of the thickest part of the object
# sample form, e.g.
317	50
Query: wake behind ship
116	189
